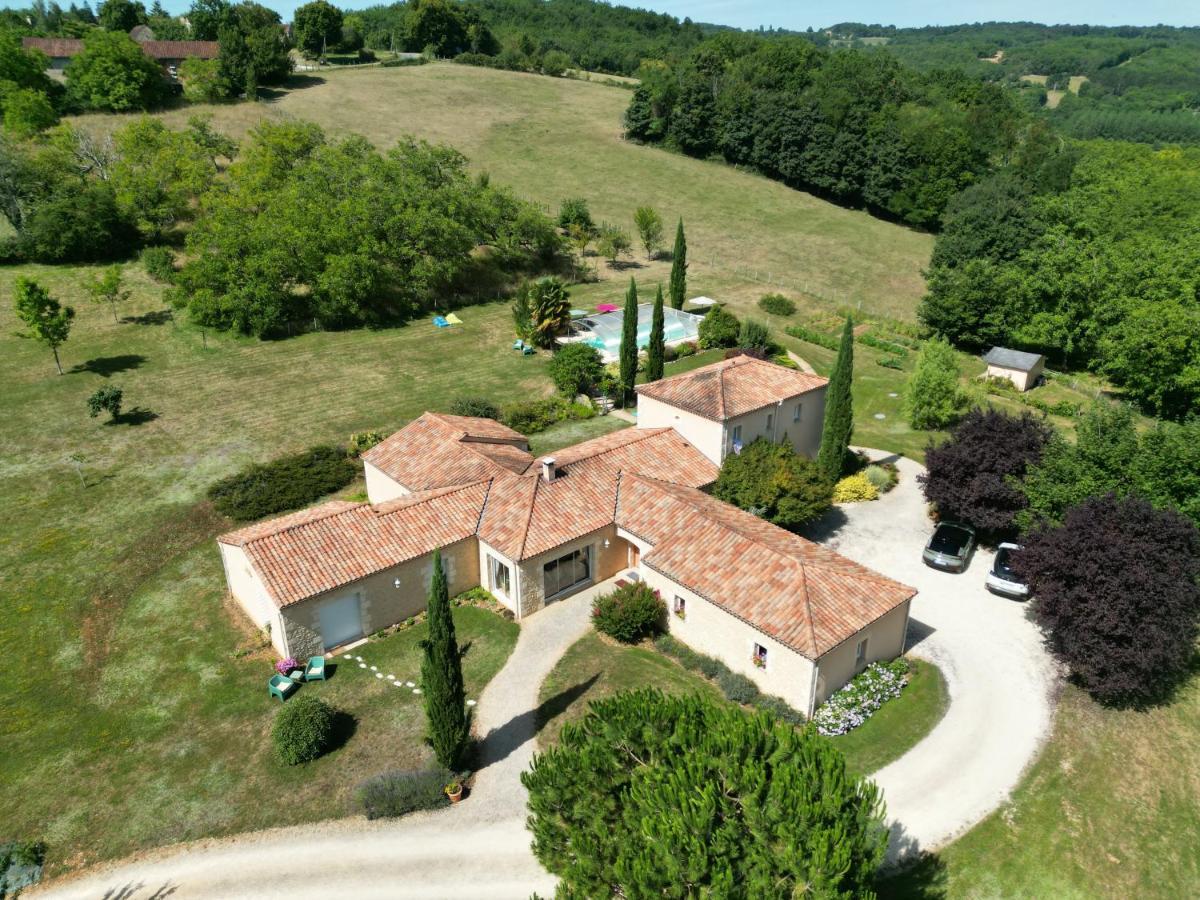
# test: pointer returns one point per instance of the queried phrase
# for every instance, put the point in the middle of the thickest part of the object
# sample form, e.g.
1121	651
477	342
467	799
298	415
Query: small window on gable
797	412
760	656
679	607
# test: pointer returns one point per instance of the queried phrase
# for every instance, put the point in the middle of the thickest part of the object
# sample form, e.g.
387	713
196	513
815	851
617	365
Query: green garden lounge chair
315	669
282	687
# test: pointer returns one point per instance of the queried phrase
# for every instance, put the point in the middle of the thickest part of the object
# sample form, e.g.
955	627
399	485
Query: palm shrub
839	409
549	310
629	613
746	806
303	730
441	677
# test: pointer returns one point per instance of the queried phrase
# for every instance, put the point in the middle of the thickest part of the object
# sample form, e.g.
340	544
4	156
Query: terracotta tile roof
731	387
800	593
60	47
438	451
308	553
656	452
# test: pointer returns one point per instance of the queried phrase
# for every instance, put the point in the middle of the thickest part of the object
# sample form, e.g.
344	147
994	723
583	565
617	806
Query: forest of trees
857	128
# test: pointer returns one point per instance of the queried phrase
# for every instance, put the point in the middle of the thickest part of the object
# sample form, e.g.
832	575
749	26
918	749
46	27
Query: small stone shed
1021	368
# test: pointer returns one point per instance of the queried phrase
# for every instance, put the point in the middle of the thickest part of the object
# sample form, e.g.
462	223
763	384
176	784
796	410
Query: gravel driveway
1000	678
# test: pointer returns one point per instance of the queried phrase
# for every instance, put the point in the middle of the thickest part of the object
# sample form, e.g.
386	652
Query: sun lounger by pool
440	322
453	319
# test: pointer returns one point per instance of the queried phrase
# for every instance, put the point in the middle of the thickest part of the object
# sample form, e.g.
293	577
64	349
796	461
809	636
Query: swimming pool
603	330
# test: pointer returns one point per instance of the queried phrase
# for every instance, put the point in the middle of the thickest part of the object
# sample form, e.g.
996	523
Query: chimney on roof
547	468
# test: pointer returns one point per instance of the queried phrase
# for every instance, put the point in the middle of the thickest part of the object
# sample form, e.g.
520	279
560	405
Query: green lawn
899	724
596	667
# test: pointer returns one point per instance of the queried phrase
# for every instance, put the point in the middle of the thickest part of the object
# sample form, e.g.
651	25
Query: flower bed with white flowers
854	704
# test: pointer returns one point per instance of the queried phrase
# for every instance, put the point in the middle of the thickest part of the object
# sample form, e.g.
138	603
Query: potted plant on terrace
454	791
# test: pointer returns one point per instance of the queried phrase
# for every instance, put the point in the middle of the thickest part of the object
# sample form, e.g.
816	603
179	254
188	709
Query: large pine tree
839	409
441	677
678	284
654	365
629	347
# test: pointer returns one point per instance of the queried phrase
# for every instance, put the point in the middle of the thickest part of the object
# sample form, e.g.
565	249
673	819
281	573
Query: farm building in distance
168	54
1022	369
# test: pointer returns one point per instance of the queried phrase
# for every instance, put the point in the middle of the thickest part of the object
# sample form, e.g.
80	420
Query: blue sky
801	15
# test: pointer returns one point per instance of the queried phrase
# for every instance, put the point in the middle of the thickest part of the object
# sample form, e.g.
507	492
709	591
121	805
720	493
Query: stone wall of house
707	628
606	562
382	603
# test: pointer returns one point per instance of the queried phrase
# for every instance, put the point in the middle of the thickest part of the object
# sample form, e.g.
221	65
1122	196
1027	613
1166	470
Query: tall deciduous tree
839	409
112	73
657	348
934	398
108	289
441	677
1115	590
316	26
741	805
975	476
48	321
677	286
629	348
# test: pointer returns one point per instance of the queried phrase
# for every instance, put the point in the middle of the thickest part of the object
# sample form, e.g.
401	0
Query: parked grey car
951	547
1001	579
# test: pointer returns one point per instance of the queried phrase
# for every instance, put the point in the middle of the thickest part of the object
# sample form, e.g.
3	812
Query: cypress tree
678	283
839	409
629	348
654	365
441	677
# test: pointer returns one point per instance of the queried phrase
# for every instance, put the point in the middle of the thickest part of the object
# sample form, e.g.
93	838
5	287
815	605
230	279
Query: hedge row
290	482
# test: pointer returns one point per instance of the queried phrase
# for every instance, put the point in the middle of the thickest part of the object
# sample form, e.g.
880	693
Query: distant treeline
858	128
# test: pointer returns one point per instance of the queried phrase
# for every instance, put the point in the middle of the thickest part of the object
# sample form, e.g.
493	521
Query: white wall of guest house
382	603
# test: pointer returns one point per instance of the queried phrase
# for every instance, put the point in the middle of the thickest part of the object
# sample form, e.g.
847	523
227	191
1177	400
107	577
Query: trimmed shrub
870	340
575	369
629	613
362	441
719	328
883	479
754	336
890	362
159	263
828	341
687	348
777	305
779	708
303	729
287	483
479	407
737	688
397	793
853	704
855	489
711	667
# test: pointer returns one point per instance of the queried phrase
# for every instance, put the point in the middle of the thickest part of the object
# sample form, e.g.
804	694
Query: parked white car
1001	579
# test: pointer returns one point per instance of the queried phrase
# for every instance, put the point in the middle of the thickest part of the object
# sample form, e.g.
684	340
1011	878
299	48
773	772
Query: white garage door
341	621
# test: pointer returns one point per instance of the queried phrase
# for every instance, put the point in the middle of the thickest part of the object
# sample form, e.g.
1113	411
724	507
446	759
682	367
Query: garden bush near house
776	305
687	348
629	613
285	484
737	688
575	369
883	478
790	818
754	336
779	708
477	407
670	353
393	794
828	341
853	704
159	263
362	441
532	416
719	328
774	482
855	489
303	730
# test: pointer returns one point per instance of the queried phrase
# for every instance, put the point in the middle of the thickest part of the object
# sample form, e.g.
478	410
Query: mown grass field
550	138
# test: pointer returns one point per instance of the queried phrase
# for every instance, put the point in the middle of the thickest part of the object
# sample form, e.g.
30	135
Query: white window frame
495	563
735	435
760	651
679	607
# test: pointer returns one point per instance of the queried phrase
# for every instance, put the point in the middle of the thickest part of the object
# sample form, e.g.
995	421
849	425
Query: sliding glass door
567	572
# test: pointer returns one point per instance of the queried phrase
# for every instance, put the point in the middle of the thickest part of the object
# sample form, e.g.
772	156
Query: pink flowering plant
286	665
854	704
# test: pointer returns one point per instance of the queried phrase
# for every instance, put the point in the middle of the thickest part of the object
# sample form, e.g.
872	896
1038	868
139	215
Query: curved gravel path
1001	680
